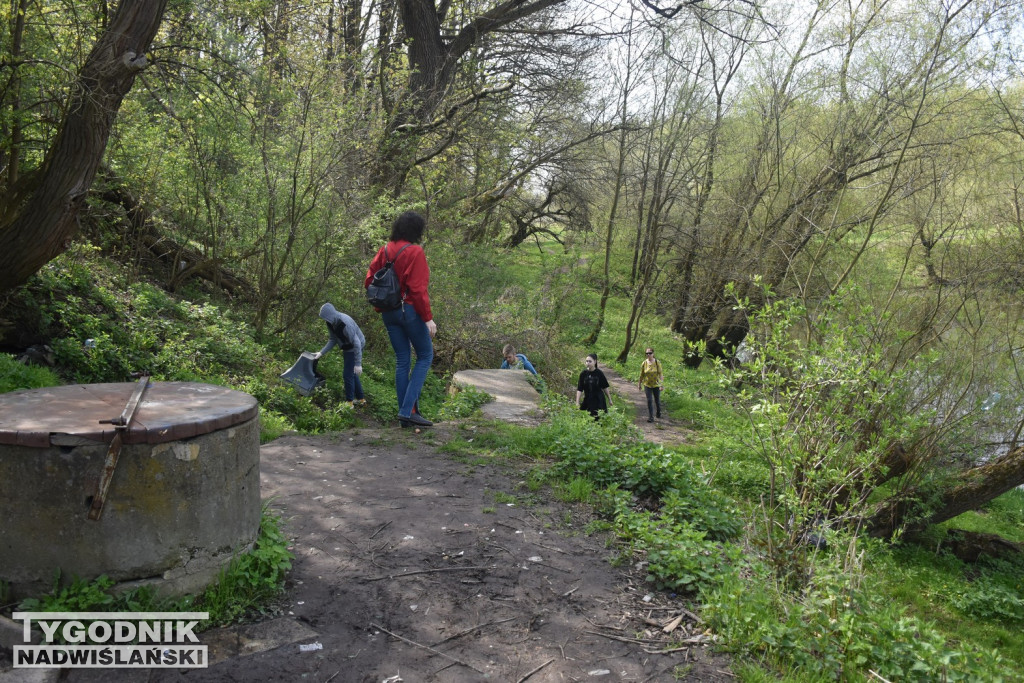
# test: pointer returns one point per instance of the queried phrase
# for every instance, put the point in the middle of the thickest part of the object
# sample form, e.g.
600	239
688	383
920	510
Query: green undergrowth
463	402
15	375
105	325
687	515
246	589
690	515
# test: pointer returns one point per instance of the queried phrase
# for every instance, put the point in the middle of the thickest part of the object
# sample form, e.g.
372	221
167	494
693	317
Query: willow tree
824	134
886	371
47	188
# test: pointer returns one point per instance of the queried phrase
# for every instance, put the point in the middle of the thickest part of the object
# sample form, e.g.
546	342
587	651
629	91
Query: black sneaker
415	420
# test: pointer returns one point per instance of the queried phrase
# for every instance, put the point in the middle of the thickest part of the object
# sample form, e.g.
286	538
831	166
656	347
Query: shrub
836	630
463	402
989	597
15	375
253	580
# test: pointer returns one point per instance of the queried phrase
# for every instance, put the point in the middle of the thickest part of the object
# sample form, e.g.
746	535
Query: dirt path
413	564
667	430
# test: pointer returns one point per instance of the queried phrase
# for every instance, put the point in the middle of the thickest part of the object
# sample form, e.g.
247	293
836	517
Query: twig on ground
535	670
495	545
696	640
668	651
382	527
428	649
474	628
426	571
548	547
673	625
644	641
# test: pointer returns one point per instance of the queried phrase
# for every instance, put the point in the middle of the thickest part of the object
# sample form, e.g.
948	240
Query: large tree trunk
434	49
972	489
40	223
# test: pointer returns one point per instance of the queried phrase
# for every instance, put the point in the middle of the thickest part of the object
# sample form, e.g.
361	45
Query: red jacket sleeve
413	273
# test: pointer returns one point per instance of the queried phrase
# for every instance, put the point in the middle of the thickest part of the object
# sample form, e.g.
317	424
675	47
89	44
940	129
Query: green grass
690	511
959	598
576	490
15	375
1004	517
247	587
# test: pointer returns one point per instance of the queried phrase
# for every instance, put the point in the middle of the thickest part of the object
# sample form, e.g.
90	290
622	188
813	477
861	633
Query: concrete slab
515	399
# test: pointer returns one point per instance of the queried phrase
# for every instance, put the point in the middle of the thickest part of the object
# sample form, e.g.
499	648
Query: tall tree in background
626	78
39	211
811	174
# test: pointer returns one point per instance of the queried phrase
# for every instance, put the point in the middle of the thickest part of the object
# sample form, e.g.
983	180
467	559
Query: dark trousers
353	387
653	401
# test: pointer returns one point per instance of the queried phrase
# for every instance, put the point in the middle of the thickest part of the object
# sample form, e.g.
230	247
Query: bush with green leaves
694	502
253	580
15	375
659	505
463	402
104	327
836	630
287	409
996	596
826	406
650	471
680	557
78	595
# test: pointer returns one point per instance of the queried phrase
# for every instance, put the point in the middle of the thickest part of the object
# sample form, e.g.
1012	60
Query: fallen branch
475	628
426	571
428	649
380	529
635	641
535	670
684	645
667	652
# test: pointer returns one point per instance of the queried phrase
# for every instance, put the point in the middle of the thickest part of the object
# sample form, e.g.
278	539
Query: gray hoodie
342	331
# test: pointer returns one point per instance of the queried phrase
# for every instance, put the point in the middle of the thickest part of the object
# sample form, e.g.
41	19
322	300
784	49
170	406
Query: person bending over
343	331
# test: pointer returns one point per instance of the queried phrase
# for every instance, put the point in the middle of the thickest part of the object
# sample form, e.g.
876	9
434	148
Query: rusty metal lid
71	413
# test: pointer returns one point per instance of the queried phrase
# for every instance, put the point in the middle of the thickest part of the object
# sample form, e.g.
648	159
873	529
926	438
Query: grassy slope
136	325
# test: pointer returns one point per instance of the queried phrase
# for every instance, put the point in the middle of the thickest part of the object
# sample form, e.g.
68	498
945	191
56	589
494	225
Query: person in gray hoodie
343	331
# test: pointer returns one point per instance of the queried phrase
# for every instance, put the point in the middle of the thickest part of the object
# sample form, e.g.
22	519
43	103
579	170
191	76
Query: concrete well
183	498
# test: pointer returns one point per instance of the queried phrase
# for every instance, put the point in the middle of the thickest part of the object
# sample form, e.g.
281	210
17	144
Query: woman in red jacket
412	324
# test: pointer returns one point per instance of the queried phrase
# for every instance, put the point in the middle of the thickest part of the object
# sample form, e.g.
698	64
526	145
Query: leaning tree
39	210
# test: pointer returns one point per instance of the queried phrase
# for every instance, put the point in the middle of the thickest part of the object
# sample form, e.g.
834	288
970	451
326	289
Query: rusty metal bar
121	424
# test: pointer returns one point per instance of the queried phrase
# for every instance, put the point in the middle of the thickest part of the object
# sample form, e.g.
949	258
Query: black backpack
385	291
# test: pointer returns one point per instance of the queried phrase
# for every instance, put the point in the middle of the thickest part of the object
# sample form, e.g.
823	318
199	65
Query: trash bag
303	374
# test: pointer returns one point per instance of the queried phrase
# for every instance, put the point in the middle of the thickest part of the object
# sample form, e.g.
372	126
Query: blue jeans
655	393
408	332
353	387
